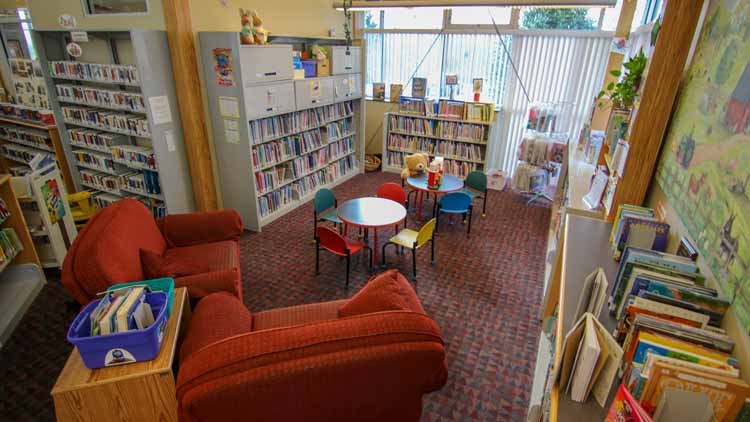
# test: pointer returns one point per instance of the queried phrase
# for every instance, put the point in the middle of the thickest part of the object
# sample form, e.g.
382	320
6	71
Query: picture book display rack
116	108
458	131
279	140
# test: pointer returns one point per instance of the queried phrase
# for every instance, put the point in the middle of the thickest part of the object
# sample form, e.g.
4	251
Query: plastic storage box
120	348
311	68
165	285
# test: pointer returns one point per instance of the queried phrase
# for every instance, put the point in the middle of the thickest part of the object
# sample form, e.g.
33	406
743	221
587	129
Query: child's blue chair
455	203
325	210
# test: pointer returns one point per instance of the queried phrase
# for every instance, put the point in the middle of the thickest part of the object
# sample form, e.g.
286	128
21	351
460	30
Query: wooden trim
17	221
62	161
187	82
659	94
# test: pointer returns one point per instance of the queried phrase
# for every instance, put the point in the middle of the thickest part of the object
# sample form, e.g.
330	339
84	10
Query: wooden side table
136	392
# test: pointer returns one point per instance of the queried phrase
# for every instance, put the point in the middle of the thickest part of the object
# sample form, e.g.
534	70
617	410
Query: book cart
459	131
278	140
116	107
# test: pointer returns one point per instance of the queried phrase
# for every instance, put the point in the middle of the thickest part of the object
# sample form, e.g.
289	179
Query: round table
371	213
419	184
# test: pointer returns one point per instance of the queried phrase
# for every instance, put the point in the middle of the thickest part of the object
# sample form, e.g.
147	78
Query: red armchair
108	250
371	358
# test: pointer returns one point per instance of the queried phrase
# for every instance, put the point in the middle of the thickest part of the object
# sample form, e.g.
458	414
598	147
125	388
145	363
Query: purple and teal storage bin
165	285
120	348
311	68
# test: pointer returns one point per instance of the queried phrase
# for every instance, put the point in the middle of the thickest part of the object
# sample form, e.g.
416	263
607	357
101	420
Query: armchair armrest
201	285
330	370
200	227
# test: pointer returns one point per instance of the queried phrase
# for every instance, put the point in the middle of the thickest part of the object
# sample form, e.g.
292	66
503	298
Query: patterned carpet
484	292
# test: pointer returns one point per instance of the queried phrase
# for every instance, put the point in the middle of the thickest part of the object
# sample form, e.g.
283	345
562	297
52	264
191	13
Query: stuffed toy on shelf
415	164
252	28
260	35
246	35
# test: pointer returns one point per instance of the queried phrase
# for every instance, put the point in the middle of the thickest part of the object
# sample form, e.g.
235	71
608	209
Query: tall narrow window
115	7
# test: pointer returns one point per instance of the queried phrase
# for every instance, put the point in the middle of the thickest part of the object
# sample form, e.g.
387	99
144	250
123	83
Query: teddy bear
260	34
415	163
246	35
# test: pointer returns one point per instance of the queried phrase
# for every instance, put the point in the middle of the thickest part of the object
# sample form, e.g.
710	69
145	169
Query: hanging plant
347	23
623	93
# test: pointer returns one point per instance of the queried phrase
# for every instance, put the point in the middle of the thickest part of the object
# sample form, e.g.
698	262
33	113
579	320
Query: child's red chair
339	245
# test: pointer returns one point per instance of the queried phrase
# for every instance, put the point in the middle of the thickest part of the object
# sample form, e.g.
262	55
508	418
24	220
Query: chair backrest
324	199
331	240
477	180
392	191
426	232
455	201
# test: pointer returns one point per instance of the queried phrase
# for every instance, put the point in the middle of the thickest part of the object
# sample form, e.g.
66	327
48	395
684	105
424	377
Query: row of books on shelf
440	128
107	120
98	180
288	194
450	149
269	179
29	114
93	139
667	334
20	153
95	72
456	168
156	206
99	161
10	245
4	211
448	109
639	227
287	124
124	100
134	155
282	150
339	129
29	137
141	181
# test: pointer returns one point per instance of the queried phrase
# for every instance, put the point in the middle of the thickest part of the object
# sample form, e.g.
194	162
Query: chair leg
463	218
371	255
348	262
471	211
432	250
434	206
317	256
382	253
414	264
484	205
437	219
315	228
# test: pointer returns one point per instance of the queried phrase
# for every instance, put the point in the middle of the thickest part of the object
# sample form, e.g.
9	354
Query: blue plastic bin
165	285
120	348
311	68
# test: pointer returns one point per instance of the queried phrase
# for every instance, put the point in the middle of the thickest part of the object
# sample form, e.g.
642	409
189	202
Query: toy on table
82	208
415	164
246	35
260	35
435	173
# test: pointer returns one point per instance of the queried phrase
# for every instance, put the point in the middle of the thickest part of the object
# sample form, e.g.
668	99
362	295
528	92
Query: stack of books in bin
126	325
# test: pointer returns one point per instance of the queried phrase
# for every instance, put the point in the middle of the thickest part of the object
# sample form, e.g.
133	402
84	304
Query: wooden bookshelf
279	140
396	132
137	107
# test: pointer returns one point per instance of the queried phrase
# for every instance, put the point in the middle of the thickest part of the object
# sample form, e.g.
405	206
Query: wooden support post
659	94
185	64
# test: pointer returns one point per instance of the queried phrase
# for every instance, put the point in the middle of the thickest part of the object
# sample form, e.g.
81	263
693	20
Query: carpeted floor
484	292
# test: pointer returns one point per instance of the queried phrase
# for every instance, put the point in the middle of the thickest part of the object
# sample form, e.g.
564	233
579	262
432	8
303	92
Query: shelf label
169	138
160	112
79	36
229	107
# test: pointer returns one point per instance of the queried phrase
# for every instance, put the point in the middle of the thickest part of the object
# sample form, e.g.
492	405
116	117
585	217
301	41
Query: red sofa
108	250
371	358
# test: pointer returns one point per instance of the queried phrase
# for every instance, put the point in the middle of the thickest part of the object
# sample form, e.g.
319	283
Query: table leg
346	227
420	199
375	245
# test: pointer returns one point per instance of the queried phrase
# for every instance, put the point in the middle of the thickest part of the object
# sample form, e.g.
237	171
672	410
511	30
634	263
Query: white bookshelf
111	91
468	152
286	140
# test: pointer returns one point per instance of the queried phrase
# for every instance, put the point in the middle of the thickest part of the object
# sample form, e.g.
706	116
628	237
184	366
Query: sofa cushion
201	227
215	256
158	266
109	253
216	317
389	291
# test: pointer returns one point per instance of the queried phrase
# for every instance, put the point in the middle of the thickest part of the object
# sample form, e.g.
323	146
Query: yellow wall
658	200
280	17
44	14
374	125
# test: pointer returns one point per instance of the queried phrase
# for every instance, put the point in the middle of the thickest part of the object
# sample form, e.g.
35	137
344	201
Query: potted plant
622	95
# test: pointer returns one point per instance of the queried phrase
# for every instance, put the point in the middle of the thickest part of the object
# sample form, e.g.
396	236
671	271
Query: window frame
87	13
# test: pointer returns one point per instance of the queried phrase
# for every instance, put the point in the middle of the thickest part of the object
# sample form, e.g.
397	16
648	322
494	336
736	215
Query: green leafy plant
622	94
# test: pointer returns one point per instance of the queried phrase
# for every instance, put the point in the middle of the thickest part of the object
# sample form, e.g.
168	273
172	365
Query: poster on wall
703	169
223	67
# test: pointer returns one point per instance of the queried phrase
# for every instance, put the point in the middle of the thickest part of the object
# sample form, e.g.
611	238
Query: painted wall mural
704	168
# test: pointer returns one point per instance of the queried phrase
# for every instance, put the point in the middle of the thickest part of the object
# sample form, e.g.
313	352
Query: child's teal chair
325	210
455	203
476	187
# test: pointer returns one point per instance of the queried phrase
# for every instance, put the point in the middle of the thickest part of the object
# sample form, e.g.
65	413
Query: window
481	15
571	18
115	7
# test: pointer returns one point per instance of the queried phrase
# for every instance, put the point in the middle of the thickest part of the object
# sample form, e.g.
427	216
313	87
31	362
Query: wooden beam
378	4
659	94
185	64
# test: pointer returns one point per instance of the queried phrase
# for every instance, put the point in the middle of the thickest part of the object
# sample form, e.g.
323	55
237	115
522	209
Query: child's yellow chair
81	207
414	240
